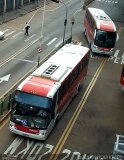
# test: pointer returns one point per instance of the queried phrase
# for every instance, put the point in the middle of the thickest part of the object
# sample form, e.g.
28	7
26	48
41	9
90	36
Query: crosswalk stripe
54	39
17	34
6	30
30	37
3	41
10	33
116	53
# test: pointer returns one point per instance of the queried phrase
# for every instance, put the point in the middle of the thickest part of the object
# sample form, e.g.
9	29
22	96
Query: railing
118	152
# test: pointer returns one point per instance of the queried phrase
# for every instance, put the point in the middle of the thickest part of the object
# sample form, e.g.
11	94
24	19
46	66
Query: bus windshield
105	39
32	117
32	99
31	111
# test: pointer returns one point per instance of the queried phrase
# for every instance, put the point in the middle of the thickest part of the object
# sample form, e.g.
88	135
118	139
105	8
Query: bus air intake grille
50	70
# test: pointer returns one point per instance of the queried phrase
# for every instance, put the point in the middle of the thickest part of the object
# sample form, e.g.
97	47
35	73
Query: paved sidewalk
21	11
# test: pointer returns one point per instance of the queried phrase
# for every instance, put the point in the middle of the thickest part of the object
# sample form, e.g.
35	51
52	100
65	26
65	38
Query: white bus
43	96
100	31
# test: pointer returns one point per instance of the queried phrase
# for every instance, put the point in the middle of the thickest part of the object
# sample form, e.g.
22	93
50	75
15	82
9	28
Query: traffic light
57	1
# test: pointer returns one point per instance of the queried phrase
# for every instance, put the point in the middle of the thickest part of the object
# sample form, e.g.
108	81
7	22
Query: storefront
8	5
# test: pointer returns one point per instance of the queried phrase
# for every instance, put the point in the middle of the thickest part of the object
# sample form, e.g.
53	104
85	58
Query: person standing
27	28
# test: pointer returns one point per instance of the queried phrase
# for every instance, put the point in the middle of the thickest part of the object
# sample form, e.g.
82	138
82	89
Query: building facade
8	5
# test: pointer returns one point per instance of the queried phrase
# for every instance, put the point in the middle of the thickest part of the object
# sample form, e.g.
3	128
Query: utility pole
65	21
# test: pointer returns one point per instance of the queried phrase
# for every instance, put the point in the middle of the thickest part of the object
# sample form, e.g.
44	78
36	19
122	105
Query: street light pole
41	37
72	23
65	22
42	22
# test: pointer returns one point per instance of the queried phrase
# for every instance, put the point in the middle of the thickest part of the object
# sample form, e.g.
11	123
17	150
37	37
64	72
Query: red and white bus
43	96
100	31
122	78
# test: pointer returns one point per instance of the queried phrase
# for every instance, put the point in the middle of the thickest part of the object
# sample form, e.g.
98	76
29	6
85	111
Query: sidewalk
10	15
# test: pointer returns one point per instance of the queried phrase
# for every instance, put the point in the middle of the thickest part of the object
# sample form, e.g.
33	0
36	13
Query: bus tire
77	90
57	119
85	33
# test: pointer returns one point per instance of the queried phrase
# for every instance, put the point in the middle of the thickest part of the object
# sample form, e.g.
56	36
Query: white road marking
53	40
10	33
58	44
14	145
6	30
3	40
25	60
17	34
116	53
33	16
37	150
123	56
30	37
5	78
107	1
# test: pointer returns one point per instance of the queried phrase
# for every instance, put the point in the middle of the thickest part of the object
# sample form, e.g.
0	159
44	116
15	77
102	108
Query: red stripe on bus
27	130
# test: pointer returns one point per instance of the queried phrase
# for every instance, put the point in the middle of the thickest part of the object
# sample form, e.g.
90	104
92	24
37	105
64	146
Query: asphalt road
19	52
94	129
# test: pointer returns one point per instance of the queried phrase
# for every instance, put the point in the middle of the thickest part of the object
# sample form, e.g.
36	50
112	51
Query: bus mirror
10	104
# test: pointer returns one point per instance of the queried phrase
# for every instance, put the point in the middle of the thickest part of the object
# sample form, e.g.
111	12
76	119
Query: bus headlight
12	124
42	132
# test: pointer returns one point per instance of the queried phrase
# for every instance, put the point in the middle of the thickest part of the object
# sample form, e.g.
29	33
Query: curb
4	117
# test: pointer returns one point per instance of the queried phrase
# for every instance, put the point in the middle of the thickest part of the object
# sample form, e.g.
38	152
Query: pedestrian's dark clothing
26	29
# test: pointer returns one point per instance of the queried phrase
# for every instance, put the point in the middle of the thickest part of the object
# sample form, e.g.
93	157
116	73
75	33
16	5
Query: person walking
27	28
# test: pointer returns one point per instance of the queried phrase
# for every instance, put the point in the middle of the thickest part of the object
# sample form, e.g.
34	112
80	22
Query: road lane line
58	44
25	60
17	34
18	52
6	35
26	40
53	40
3	40
74	117
6	30
32	16
4	120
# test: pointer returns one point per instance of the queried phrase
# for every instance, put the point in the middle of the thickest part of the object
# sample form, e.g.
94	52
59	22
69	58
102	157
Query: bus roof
46	79
103	21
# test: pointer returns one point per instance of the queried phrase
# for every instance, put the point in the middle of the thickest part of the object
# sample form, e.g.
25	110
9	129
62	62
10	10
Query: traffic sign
39	49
